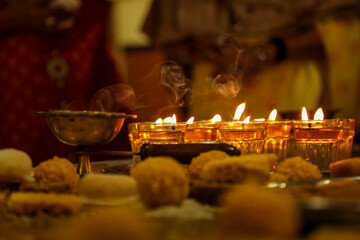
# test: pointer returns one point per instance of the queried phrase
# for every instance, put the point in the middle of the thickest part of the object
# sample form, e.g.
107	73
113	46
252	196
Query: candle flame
319	114
273	115
247	119
170	119
167	120
216	118
239	111
304	115
190	121
158	121
259	120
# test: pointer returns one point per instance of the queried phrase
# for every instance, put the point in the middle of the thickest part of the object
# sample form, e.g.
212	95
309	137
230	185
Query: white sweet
15	165
107	189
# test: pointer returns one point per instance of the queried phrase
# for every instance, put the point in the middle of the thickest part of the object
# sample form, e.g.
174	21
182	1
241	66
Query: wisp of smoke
226	85
174	79
113	98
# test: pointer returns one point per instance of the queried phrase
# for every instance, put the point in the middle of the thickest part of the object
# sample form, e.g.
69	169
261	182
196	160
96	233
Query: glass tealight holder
149	132
277	138
346	142
318	141
248	137
134	140
201	131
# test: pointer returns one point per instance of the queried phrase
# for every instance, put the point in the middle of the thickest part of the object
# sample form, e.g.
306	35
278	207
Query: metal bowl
85	128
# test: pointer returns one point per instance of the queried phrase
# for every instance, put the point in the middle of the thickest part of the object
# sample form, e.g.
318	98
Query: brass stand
84	166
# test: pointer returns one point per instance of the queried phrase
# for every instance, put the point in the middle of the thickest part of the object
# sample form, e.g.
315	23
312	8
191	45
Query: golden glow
159	121
239	111
319	114
167	120
247	119
216	118
170	119
304	115
190	121
273	114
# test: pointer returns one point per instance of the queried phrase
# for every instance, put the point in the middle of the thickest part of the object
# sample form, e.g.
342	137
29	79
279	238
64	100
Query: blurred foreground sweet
107	189
197	164
190	220
254	168
102	224
50	203
295	169
218	177
161	181
251	210
345	168
112	225
15	165
54	175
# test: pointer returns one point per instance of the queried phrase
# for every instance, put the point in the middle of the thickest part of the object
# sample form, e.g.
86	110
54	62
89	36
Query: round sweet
161	181
57	171
197	164
256	211
39	202
253	168
345	167
295	169
98	188
15	165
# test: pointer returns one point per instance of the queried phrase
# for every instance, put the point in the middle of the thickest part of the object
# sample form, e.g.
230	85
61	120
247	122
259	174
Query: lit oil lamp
277	136
318	140
202	131
247	136
164	131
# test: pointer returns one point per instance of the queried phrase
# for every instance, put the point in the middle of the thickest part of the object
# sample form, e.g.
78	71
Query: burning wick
239	111
216	118
273	114
304	115
319	115
190	121
171	120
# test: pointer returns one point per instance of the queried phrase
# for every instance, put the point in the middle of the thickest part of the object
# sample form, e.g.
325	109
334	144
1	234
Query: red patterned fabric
26	88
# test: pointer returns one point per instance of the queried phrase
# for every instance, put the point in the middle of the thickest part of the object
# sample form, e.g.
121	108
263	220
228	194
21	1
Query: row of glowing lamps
328	143
318	116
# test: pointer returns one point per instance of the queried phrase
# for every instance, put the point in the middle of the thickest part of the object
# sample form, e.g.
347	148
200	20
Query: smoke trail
226	85
174	79
113	98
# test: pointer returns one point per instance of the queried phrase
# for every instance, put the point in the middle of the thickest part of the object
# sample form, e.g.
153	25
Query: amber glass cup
277	138
248	137
346	142
201	131
318	141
